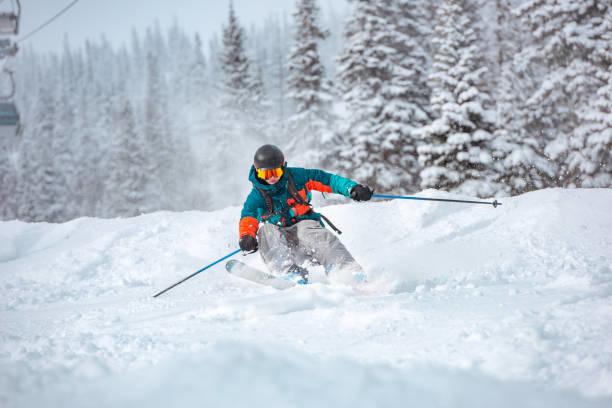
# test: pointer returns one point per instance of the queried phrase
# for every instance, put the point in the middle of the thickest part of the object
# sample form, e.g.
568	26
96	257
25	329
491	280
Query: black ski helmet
268	157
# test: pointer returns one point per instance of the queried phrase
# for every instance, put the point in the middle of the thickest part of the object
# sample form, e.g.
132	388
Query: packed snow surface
465	306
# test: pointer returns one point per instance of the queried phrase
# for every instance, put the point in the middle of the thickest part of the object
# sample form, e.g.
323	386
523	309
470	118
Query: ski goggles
266	174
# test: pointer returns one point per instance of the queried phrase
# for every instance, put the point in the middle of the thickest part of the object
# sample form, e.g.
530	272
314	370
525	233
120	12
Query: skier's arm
319	180
251	210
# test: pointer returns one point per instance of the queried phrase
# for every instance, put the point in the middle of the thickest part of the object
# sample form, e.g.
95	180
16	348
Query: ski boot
299	273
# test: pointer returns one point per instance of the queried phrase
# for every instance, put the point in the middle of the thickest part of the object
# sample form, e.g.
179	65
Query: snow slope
466	306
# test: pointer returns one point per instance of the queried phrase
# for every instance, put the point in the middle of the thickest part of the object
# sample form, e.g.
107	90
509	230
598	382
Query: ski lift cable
62	11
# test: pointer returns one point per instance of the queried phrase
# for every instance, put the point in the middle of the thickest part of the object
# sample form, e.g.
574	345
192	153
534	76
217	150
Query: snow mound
238	375
463	304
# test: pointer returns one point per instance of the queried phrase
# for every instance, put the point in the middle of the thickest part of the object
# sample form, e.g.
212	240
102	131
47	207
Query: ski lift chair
9	121
9	23
7	48
9	20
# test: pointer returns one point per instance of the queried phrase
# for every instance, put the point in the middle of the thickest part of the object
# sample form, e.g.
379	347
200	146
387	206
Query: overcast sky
115	18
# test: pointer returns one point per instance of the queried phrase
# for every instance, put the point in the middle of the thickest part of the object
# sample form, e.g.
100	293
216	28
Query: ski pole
494	203
201	270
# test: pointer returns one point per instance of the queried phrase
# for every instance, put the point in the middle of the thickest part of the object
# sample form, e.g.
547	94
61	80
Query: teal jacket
287	211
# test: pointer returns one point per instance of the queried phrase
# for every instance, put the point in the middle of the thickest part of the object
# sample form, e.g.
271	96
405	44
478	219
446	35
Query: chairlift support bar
8	97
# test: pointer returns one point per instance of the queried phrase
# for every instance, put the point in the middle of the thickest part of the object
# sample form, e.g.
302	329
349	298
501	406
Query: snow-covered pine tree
243	91
260	105
525	166
179	92
413	38
91	117
105	131
8	179
198	116
236	135
59	160
365	66
456	154
268	53
155	44
196	94
45	185
180	53
332	18
215	62
179	170
30	176
66	128
383	78
406	95
236	67
309	126
156	139
138	64
179	81
278	73
571	55
591	158
124	194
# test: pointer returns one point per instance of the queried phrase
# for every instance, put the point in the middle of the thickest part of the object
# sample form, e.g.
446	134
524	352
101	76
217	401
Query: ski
244	271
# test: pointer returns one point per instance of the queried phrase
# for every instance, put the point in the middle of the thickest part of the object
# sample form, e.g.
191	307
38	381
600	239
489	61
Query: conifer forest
485	98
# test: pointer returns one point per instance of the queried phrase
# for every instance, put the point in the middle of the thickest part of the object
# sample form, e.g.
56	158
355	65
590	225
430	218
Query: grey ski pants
282	247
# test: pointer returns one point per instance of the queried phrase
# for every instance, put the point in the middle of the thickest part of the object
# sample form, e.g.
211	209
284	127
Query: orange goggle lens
265	174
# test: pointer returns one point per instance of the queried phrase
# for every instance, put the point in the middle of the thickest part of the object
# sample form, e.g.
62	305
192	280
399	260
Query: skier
292	234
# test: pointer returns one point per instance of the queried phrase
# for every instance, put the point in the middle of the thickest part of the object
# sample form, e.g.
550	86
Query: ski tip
230	264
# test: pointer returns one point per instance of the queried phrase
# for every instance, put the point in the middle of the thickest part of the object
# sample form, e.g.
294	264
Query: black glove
248	243
361	193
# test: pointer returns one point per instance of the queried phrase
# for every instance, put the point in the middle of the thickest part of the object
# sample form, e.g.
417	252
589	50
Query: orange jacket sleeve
248	226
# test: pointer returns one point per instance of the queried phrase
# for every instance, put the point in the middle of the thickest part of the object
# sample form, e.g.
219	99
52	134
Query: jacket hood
269	188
